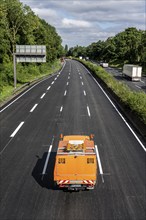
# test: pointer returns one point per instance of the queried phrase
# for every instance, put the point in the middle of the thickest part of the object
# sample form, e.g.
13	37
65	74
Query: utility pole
14	65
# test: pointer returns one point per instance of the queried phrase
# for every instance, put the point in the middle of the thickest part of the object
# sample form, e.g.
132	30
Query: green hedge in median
136	101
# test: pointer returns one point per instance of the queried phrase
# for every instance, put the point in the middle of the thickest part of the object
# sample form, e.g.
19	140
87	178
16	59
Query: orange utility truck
76	163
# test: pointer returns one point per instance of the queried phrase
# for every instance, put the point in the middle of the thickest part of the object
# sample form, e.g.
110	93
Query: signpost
28	54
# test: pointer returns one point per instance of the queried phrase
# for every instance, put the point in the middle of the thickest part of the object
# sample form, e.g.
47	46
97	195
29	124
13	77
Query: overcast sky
83	22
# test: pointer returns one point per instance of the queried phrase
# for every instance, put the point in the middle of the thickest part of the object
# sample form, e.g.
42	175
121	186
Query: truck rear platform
76	164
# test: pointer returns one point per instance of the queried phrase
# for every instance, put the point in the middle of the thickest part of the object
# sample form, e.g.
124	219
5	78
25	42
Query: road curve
69	102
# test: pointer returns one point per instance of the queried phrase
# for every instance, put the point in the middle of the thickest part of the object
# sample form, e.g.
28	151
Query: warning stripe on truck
68	182
63	181
88	181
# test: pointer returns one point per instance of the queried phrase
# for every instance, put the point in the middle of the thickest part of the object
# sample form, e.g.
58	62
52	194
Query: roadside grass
26	74
136	101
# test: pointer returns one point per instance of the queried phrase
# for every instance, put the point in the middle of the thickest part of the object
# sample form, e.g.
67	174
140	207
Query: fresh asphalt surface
70	103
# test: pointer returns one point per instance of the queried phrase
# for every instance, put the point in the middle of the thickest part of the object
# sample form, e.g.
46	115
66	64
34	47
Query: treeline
19	25
128	46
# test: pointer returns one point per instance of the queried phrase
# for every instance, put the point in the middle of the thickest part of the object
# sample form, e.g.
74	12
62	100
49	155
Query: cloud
69	23
81	22
44	12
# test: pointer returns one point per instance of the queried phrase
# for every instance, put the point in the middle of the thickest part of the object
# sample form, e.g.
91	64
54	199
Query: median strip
17	129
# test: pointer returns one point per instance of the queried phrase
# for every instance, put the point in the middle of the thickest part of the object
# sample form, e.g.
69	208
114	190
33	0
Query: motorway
68	102
138	86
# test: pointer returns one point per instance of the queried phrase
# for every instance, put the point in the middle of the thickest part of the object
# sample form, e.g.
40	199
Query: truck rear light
90	160
61	160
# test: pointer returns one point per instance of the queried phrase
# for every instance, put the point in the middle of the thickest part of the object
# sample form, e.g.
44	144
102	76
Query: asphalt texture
69	102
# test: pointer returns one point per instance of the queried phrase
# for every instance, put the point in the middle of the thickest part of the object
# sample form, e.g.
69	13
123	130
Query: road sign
28	54
31	53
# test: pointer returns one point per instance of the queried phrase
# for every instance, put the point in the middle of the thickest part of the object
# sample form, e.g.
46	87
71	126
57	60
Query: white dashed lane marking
17	129
48	87
33	108
88	110
42	96
61	108
84	93
65	93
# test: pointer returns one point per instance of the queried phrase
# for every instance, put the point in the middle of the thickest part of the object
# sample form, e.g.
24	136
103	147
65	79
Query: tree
66	49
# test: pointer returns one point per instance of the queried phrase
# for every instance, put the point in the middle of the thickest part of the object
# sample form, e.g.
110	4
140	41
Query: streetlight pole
14	65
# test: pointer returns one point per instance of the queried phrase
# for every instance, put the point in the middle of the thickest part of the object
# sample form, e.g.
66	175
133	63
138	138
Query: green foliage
19	25
136	101
26	73
128	46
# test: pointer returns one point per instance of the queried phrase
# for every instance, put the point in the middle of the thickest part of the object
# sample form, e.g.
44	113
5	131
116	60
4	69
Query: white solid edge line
142	81
33	108
117	111
138	86
99	162
17	129
23	94
42	96
29	90
88	111
47	159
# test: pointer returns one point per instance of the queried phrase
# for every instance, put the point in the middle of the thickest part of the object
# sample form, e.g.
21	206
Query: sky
83	22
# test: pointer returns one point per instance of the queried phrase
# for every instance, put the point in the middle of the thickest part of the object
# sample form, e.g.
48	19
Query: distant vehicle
103	64
76	163
62	59
132	71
